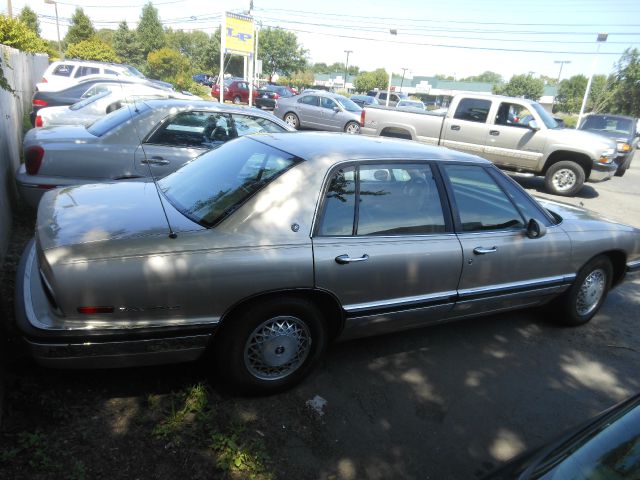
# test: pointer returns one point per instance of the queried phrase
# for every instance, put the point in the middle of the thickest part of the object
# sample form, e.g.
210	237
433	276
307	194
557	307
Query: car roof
316	146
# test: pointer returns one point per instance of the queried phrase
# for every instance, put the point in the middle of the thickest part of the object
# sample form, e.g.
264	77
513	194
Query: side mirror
337	109
536	229
533	125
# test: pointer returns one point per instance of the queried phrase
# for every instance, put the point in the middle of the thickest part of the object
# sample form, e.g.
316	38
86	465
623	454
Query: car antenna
172	234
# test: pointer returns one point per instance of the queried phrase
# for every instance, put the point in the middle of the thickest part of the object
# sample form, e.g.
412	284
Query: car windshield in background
211	187
410	104
602	123
87	101
349	105
114	119
546	117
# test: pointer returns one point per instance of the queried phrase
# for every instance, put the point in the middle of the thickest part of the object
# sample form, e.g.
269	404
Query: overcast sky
458	38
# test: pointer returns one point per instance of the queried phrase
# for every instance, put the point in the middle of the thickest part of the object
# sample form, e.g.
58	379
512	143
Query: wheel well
396	132
583	160
619	263
325	302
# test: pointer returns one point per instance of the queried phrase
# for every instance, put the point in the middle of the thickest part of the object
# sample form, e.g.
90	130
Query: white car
89	110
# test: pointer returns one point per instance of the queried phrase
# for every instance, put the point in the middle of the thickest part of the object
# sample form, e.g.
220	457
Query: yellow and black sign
239	34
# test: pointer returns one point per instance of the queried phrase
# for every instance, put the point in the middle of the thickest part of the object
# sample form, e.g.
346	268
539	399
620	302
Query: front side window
400	199
513	115
481	203
246	125
327	103
383	96
473	110
195	129
312	100
214	185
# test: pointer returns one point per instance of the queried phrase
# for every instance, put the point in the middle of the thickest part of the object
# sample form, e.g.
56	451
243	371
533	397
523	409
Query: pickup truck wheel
271	346
585	297
292	120
564	178
352	127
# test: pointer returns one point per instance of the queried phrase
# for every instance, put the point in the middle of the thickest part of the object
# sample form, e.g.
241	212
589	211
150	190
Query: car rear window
115	119
210	188
63	70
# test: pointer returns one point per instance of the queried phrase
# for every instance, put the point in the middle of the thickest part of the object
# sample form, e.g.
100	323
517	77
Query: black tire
622	169
570	309
298	339
292	120
353	128
564	178
237	100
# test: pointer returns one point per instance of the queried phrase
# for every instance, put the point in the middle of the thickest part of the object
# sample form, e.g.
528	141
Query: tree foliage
15	33
626	97
521	86
81	28
202	50
171	66
303	79
366	81
280	52
150	33
125	44
106	35
92	49
486	77
571	93
30	19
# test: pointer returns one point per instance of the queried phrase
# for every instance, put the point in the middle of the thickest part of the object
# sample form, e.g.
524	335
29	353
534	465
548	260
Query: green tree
126	46
106	35
81	28
441	76
521	86
320	67
626	98
171	66
30	19
366	81
280	52
202	50
92	49
486	77
570	93
150	32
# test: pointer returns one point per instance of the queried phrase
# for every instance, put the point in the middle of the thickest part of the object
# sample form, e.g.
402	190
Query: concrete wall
22	71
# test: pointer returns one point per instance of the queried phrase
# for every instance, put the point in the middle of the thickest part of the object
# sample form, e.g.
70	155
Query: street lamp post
392	31
402	81
561	62
9	9
602	37
346	68
55	4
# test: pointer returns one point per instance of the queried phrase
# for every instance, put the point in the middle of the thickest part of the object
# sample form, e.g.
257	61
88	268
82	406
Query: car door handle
455	127
495	133
155	161
483	250
343	259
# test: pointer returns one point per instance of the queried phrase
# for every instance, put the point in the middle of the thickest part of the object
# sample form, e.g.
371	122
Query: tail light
38	121
44	80
39	103
362	115
276	96
93	310
33	159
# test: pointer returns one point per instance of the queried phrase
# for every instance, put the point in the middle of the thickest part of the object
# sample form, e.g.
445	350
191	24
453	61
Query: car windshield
115	119
604	123
211	187
135	72
87	101
410	104
349	105
546	117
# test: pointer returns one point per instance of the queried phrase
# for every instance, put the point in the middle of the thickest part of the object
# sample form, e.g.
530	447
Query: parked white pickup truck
514	133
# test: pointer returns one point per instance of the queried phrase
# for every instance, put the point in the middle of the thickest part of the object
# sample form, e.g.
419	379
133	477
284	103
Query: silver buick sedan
267	248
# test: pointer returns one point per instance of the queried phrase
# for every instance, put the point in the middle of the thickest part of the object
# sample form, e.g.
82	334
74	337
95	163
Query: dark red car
235	90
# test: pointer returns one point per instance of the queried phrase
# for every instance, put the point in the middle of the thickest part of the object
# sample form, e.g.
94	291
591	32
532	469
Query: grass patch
194	405
237	455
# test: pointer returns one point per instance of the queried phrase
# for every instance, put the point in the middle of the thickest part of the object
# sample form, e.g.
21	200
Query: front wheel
292	120
237	100
352	128
585	297
622	169
564	178
272	346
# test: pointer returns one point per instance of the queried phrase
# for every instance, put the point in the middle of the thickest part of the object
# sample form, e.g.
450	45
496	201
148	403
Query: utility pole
394	32
346	68
402	81
9	9
55	4
602	37
561	62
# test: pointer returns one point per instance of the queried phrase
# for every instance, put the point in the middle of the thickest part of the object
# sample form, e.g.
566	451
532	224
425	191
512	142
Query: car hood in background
584	139
613	135
106	211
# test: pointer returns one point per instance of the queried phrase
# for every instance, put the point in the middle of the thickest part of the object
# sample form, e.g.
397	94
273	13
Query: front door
331	114
385	248
502	268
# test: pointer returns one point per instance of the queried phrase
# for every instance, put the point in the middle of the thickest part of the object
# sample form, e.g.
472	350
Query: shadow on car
537	183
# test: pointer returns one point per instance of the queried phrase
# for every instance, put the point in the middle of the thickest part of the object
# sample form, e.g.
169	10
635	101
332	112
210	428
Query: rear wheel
352	128
271	346
585	297
292	120
237	100
564	178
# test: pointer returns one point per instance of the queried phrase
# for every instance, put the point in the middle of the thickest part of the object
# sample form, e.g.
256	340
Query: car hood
613	135
58	134
586	140
580	219
91	214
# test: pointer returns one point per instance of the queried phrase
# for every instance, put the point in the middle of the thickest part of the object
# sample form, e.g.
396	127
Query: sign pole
223	46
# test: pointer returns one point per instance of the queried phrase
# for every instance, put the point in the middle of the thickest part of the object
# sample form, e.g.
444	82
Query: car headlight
607	155
624	147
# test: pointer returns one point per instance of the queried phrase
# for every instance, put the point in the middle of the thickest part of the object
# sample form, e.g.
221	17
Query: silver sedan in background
320	111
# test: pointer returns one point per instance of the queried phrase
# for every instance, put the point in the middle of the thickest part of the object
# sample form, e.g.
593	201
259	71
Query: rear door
466	128
384	246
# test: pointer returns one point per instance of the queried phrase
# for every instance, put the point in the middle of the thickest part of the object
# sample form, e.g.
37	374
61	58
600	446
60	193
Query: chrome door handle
155	161
455	127
343	259
495	133
483	250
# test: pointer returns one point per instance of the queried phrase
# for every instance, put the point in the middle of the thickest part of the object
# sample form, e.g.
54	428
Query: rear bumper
601	172
53	345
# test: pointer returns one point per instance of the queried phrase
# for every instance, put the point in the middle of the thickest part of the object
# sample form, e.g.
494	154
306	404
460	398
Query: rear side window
63	70
83	71
473	110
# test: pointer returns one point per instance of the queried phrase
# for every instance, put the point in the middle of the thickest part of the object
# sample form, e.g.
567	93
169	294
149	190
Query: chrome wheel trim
291	120
591	292
352	128
277	348
564	179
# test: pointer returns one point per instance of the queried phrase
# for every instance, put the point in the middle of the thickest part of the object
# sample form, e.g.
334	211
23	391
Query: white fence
22	71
